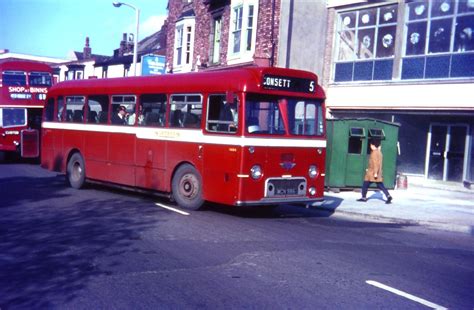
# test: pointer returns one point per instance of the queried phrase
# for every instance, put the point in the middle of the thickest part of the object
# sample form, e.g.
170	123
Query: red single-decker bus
248	136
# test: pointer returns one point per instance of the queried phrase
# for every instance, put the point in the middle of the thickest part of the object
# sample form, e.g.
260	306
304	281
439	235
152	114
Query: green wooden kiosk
348	151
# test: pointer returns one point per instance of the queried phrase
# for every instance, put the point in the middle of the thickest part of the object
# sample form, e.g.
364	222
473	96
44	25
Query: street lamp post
135	37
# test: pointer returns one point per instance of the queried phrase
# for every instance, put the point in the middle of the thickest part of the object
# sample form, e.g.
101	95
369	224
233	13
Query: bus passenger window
118	102
186	111
98	109
222	116
74	109
152	110
49	110
61	116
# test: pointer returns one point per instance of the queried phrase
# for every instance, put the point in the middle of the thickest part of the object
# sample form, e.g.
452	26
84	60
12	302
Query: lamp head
117	4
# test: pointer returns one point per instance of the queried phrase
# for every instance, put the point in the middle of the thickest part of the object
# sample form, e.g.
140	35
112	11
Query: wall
303	31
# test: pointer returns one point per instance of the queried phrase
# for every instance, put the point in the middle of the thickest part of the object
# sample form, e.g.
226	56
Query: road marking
171	209
404	294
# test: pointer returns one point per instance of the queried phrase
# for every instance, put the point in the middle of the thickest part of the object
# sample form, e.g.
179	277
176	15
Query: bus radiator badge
287	161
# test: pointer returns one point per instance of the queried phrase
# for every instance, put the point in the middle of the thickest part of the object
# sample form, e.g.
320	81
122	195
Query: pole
135	41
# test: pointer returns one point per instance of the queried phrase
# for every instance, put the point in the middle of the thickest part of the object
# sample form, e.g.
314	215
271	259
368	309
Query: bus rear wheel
76	171
187	187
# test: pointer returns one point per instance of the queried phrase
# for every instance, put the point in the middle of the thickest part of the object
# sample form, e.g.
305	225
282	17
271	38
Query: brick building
214	34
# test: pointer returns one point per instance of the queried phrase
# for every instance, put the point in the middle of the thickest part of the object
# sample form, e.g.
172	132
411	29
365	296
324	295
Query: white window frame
186	45
243	55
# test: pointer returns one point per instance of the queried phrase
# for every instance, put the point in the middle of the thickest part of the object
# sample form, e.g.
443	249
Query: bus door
221	160
121	154
96	147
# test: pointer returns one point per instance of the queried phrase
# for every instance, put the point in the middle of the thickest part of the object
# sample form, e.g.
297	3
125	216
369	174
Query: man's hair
375	142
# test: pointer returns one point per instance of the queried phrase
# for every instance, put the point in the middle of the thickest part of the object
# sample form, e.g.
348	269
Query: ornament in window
366	41
420	9
415	38
388	16
444	7
346	21
387	40
365	18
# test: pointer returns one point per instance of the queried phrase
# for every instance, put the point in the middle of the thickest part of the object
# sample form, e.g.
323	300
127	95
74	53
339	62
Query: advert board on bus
153	65
287	83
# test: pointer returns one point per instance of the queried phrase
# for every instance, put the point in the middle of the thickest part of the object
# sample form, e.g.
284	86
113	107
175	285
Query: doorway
447	156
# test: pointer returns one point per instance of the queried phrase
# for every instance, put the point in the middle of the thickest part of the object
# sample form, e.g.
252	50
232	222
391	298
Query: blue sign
153	65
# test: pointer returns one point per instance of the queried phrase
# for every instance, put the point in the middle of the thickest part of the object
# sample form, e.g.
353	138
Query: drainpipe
273	35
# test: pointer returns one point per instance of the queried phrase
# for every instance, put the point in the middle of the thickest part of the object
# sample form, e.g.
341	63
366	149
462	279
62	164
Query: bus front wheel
187	187
76	171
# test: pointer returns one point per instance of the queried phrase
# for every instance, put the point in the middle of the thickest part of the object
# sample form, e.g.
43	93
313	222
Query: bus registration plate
284	187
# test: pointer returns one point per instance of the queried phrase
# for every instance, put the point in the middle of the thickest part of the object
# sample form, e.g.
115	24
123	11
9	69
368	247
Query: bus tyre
76	171
187	187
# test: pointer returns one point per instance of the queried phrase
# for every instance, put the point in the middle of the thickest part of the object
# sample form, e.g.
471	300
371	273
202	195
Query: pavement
437	205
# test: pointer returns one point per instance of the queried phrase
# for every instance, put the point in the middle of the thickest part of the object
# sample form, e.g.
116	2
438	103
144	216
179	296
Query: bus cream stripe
187	135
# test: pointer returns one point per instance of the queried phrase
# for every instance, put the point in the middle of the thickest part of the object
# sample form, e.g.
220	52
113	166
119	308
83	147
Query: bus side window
129	102
49	111
98	109
222	116
61	116
75	109
186	111
152	110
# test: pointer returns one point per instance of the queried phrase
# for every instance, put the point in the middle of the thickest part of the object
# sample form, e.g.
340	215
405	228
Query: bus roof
24	65
240	79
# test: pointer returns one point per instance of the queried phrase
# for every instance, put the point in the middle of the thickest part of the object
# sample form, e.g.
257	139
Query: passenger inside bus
119	118
133	116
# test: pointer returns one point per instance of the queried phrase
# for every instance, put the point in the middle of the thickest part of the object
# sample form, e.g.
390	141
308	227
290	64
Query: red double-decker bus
23	89
248	136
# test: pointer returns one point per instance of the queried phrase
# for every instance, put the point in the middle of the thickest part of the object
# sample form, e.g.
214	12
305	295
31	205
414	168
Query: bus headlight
313	171
256	172
312	191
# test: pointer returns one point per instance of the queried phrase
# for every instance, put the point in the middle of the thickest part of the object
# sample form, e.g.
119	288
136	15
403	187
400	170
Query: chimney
123	45
87	50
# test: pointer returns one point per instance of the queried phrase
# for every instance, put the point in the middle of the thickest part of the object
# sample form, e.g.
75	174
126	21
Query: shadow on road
319	209
49	250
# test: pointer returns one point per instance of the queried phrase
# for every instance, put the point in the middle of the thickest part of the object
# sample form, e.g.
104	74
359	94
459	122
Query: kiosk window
356	135
376	133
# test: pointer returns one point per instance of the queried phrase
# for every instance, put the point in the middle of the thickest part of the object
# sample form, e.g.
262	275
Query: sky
54	28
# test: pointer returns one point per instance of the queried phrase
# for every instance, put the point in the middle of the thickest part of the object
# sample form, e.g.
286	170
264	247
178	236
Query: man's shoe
363	199
389	200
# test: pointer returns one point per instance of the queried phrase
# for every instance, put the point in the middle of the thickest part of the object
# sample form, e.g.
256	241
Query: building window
216	40
366	44
439	39
243	30
184	45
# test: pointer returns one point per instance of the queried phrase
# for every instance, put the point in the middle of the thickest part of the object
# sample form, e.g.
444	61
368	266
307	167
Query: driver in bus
120	118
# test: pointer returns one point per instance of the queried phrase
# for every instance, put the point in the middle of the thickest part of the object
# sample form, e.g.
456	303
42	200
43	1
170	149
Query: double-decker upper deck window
14	78
186	111
40	79
366	44
439	41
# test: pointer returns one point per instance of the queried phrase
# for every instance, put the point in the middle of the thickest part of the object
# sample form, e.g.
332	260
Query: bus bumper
278	201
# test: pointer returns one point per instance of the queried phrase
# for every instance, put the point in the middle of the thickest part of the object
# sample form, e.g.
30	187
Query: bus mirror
229	97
